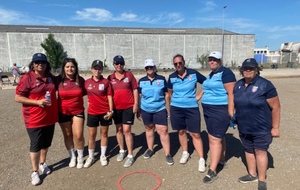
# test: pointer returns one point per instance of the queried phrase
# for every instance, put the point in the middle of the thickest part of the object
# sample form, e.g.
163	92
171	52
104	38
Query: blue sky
272	22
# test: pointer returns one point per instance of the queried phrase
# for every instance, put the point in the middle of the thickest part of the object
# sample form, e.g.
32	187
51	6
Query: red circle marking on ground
136	172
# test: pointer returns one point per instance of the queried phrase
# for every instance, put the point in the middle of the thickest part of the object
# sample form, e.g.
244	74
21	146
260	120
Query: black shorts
62	118
124	116
40	138
94	120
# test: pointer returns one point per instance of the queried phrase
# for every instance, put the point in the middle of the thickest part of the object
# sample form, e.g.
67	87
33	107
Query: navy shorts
185	118
40	138
160	117
124	116
259	142
216	119
62	118
94	120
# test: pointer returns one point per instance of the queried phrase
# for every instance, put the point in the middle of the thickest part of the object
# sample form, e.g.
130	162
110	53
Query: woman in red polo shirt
39	113
71	111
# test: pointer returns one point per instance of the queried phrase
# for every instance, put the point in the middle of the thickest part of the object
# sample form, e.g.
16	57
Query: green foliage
54	51
202	60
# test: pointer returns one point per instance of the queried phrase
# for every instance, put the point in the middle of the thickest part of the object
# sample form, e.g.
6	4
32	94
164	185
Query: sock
185	152
130	156
91	153
72	153
80	153
122	151
103	150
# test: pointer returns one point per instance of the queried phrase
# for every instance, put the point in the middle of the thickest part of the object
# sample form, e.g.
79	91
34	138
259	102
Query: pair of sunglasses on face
40	62
178	64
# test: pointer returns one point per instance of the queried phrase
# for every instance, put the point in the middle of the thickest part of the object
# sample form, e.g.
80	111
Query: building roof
111	30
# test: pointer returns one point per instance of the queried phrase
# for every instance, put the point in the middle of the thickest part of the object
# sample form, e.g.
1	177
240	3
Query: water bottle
48	97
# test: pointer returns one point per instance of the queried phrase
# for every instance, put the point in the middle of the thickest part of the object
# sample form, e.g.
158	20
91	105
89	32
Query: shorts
94	120
62	118
124	116
160	117
40	138
185	118
259	142
216	119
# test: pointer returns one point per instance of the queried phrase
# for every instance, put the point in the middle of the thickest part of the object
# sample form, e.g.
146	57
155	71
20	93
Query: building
19	42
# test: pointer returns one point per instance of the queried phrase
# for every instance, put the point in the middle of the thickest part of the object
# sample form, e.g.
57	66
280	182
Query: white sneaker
184	158
103	160
128	162
89	162
35	178
72	163
201	166
44	169
80	162
121	156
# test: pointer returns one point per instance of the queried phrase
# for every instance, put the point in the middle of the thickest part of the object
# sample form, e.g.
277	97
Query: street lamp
223	30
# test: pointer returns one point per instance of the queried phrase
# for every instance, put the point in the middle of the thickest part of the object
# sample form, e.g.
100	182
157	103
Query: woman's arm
27	101
275	106
229	89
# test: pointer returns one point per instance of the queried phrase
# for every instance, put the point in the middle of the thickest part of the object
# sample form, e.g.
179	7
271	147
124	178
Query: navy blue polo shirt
153	93
253	113
184	90
213	87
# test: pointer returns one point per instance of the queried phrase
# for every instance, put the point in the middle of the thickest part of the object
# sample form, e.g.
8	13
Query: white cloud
94	14
9	16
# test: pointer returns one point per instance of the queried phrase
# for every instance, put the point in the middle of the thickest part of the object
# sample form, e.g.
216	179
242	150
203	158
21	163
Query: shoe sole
248	181
170	164
211	181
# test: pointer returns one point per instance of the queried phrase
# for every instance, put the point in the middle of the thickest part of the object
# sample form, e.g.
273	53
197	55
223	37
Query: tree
54	51
202	60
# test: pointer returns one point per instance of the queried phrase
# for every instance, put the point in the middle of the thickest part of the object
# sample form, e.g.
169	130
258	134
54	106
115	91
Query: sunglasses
122	64
149	67
213	59
249	68
40	62
178	64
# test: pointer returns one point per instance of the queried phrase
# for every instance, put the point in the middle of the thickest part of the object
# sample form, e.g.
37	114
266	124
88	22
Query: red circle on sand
141	172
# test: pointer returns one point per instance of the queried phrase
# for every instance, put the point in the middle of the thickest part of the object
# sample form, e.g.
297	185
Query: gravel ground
284	162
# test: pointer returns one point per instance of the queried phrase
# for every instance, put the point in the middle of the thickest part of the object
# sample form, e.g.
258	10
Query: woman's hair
179	55
47	71
63	73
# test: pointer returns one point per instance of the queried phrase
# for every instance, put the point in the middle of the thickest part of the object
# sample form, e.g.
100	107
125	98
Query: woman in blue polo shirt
154	104
257	115
184	108
217	104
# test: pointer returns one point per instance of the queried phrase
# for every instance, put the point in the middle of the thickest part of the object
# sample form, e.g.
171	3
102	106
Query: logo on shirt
254	88
101	86
126	80
65	83
157	83
190	78
90	87
37	82
113	81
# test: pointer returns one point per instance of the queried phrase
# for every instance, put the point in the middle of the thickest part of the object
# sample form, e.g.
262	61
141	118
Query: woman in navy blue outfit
257	115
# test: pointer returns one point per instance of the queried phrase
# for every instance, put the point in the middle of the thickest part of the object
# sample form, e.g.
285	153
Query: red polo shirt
97	92
123	90
70	96
33	87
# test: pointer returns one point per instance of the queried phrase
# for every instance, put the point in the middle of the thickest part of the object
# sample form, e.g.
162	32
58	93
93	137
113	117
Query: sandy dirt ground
284	160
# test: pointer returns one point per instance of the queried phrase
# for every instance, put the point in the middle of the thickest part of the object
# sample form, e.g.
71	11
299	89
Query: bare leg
262	164
183	139
164	137
150	135
251	163
215	148
35	160
128	138
197	141
119	136
77	129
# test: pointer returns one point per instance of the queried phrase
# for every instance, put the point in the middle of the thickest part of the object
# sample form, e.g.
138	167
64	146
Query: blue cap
118	59
39	57
250	62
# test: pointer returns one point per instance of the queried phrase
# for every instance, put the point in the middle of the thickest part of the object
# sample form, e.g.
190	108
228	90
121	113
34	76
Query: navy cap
39	57
250	62
118	59
97	63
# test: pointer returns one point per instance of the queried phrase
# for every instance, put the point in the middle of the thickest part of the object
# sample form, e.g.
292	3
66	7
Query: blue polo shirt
253	113
153	93
184	90
213	87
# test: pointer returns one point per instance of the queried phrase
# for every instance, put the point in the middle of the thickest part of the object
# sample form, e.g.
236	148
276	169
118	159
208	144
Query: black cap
97	63
250	62
118	59
39	57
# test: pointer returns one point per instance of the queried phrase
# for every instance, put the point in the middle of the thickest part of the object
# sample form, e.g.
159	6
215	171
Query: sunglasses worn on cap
149	67
213	59
178	64
40	62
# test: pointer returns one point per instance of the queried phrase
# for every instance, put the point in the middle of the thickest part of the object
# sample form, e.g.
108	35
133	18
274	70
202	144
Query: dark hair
179	55
63	73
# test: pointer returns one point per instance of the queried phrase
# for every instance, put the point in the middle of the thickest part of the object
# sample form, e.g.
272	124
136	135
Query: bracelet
110	112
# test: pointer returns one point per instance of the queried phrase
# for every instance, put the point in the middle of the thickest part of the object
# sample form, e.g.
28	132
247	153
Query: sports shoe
44	169
184	158
121	156
169	159
79	162
72	163
210	177
148	154
35	178
103	160
247	178
201	166
89	162
128	162
262	185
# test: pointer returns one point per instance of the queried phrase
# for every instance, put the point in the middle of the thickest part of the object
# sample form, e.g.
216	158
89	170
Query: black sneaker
247	178
148	154
210	177
262	185
169	159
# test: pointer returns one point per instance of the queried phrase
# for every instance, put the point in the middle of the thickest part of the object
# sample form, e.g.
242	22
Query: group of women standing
153	99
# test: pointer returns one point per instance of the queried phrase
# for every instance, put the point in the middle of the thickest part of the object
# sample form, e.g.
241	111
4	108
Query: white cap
215	54
149	62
